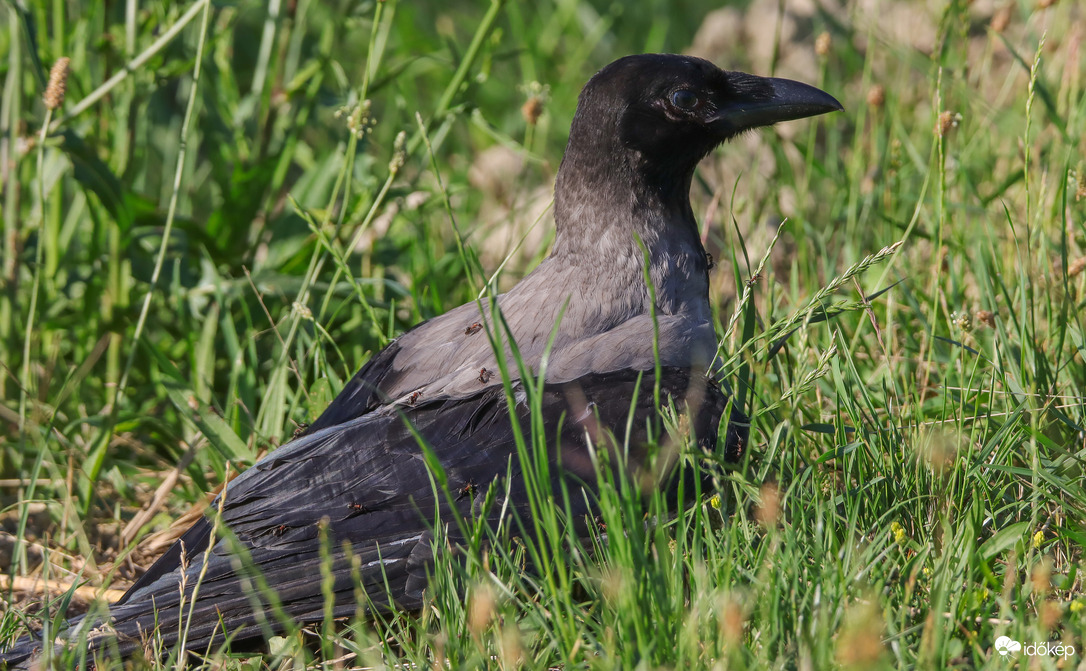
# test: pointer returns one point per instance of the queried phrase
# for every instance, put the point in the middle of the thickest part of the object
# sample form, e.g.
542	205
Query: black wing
367	484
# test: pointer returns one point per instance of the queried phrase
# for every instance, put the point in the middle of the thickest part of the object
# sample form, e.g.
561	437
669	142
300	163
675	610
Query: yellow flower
1038	538
715	501
898	532
1076	606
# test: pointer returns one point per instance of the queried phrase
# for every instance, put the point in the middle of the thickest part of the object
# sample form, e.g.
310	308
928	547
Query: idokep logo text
1005	645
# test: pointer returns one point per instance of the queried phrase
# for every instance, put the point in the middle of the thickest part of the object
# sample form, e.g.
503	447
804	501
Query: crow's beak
763	101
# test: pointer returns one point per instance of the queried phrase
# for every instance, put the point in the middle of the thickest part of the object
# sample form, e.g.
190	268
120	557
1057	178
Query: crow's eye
684	99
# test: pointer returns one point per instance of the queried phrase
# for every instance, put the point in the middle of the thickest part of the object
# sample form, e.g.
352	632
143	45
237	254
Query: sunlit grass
181	290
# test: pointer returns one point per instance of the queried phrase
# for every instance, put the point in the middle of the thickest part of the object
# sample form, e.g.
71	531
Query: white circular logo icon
1005	645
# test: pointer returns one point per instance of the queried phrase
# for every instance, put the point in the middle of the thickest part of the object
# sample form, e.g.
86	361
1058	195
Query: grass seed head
512	649
58	83
1041	577
359	118
731	618
734	619
859	645
963	321
769	509
481	609
985	318
399	155
538	95
947	120
876	96
302	311
1049	614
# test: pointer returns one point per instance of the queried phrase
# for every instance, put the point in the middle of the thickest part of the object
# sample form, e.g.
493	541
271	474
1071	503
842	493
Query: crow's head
672	110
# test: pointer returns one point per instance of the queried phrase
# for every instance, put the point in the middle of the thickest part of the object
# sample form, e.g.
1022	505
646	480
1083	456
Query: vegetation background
237	203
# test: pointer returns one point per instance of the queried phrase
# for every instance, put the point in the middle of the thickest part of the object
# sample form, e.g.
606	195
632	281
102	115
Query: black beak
763	101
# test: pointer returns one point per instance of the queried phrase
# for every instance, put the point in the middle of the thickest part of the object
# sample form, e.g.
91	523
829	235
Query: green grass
193	266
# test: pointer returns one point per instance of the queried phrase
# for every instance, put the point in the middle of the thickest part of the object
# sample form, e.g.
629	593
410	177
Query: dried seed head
1002	18
946	121
481	609
512	650
823	43
876	97
732	621
1042	575
859	643
1076	267
942	124
532	109
1050	613
985	317
769	509
58	83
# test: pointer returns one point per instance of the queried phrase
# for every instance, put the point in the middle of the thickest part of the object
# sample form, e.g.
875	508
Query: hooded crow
445	402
